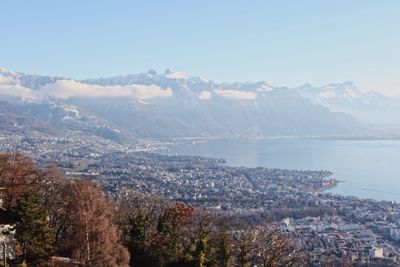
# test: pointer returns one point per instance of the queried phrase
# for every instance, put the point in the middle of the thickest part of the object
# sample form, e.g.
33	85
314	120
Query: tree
245	245
60	200
223	246
32	229
17	174
137	216
274	249
202	248
173	232
95	240
201	233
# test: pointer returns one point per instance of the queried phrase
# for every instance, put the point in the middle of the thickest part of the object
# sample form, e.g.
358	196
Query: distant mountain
369	107
13	120
172	105
74	118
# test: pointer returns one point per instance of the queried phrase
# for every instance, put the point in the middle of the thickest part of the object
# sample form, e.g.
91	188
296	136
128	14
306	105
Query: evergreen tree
223	249
245	246
201	251
32	229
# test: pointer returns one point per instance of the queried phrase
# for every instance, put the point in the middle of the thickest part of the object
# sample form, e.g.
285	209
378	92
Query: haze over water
369	169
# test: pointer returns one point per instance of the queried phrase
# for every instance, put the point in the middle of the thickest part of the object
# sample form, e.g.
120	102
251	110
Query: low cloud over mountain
172	105
12	85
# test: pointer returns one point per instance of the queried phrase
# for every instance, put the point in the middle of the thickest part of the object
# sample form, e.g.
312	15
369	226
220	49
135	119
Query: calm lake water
369	169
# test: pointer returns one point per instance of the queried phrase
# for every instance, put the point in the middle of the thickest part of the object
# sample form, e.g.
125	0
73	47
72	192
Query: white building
376	252
345	227
288	221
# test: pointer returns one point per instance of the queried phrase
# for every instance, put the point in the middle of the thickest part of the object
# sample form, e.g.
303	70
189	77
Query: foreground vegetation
76	219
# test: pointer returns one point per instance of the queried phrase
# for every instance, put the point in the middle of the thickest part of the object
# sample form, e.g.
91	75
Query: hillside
171	105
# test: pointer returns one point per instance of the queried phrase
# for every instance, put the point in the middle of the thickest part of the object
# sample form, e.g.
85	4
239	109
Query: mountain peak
4	70
343	84
349	83
172	74
8	73
306	85
152	72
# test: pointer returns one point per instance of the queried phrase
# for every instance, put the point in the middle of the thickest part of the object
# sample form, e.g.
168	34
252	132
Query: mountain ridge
175	105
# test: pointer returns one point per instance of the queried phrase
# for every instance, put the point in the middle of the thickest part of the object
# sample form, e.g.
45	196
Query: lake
368	168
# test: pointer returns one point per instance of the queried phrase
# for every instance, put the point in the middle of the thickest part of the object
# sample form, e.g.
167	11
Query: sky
285	43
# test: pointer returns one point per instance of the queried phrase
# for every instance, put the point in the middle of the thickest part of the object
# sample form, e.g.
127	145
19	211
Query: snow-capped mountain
14	120
369	107
169	105
75	118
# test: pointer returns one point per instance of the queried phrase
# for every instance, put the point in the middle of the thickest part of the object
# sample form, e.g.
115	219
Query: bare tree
244	242
274	249
95	240
17	174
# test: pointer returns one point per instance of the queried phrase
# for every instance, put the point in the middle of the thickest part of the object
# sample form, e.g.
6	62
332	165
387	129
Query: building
376	252
395	233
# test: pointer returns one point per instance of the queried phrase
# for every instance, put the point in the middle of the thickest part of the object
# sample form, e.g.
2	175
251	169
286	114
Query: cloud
204	95
16	90
236	94
9	88
4	80
65	89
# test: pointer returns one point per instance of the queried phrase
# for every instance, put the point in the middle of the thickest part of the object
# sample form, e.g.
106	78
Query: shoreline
195	139
332	184
378	194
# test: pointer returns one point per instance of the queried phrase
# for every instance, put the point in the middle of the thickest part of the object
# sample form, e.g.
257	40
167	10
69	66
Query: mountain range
367	107
174	104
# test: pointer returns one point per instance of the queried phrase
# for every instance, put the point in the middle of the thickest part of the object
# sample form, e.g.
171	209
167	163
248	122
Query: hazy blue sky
282	42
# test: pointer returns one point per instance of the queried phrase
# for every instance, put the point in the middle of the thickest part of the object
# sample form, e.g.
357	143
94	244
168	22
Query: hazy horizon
283	43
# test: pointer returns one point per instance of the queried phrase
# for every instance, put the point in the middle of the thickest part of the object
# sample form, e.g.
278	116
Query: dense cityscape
328	227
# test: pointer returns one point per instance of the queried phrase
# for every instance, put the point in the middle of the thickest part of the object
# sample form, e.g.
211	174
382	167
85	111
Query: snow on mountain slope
170	74
174	104
369	107
63	115
13	120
